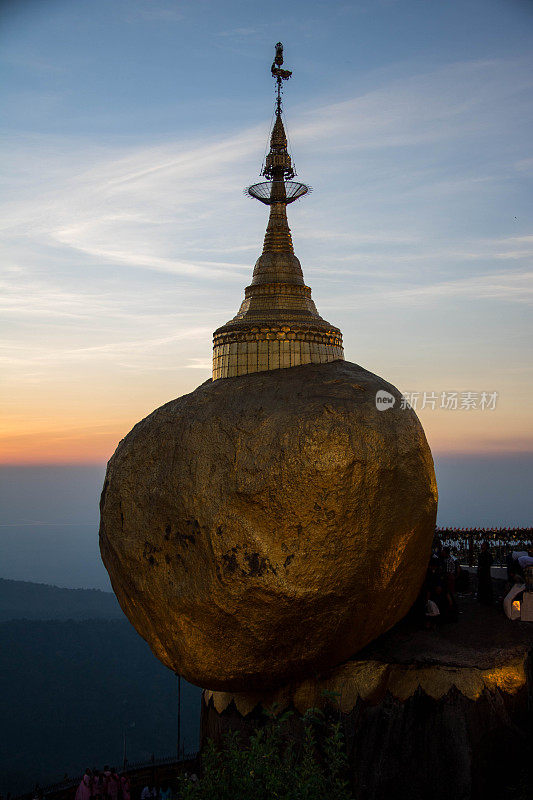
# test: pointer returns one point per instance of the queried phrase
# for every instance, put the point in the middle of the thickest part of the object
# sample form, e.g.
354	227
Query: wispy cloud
157	10
198	363
515	287
138	208
240	32
124	259
524	165
463	99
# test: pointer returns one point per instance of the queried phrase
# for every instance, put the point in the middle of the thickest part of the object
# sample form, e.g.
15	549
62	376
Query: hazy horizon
49	515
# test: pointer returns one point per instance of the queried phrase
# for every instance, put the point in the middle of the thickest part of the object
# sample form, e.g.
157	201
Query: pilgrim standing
84	790
126	787
484	580
113	785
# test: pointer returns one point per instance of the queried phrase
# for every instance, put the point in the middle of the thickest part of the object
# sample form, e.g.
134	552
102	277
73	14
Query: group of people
110	785
105	785
165	792
445	576
468	541
153	793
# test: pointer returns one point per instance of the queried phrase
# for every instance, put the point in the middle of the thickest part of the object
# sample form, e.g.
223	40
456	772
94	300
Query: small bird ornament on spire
279	74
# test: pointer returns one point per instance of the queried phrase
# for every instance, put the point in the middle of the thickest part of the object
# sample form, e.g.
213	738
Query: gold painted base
371	680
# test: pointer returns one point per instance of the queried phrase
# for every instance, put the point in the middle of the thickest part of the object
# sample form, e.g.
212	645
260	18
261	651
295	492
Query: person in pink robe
97	786
126	787
84	790
113	784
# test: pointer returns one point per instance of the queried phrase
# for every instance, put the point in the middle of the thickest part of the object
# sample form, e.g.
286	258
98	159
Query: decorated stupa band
277	325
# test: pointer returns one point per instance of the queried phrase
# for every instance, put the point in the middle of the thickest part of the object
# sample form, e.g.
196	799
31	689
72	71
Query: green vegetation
276	765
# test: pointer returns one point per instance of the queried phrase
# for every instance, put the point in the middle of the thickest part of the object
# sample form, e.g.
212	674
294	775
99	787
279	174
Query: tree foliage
276	765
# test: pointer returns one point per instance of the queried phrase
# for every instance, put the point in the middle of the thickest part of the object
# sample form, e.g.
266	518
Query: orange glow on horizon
80	418
78	442
80	446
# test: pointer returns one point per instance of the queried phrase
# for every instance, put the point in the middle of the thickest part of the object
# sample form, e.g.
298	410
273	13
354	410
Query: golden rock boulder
266	527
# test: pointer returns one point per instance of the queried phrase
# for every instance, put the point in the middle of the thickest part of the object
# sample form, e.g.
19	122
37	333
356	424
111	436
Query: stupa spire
277	325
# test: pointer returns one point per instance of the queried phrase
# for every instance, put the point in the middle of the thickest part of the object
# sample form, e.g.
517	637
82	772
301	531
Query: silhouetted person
433	592
449	569
98	785
484	579
126	787
113	784
84	790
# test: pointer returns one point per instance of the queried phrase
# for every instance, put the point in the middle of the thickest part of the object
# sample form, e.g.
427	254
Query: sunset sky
131	128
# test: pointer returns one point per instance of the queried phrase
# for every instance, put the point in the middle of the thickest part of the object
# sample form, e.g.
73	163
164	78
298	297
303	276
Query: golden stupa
277	325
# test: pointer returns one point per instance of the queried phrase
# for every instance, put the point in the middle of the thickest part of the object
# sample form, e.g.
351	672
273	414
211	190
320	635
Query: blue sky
130	130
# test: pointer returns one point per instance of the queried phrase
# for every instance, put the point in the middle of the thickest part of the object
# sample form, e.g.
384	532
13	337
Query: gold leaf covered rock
266	527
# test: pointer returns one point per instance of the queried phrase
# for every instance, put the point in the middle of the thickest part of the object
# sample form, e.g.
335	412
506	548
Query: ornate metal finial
278	168
279	74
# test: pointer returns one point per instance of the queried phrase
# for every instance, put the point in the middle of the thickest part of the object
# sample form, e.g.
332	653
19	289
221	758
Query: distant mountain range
24	600
74	677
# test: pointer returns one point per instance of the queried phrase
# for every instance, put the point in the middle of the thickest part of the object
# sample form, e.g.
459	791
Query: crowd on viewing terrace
455	550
